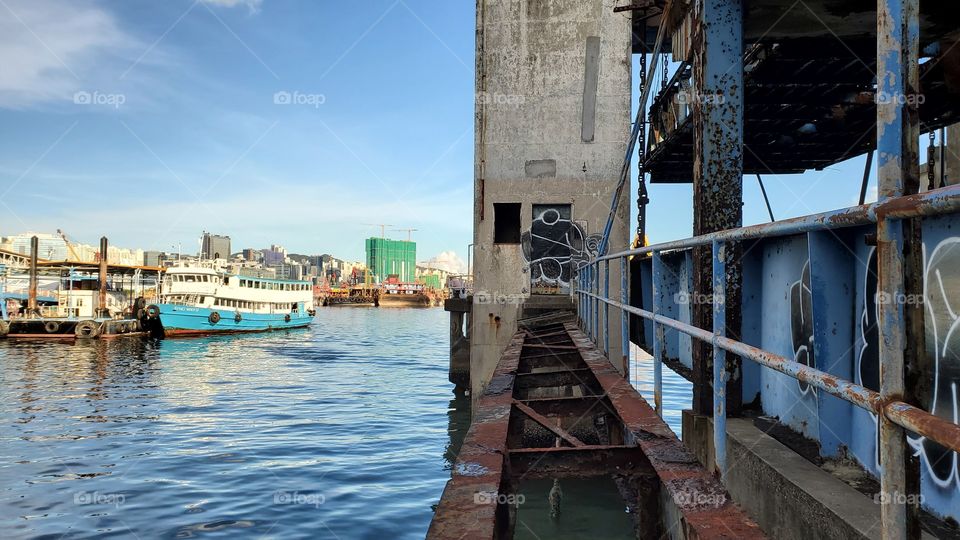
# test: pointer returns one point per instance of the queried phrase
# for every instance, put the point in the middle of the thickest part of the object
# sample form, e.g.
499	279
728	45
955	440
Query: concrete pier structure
821	349
552	121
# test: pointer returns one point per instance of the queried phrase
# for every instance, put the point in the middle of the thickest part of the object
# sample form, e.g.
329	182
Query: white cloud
48	49
448	261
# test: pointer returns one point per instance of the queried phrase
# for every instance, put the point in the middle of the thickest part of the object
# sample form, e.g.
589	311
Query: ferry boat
201	299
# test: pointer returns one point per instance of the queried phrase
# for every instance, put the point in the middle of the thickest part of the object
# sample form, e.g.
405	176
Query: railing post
589	299
897	133
581	307
624	318
606	308
719	357
659	341
596	303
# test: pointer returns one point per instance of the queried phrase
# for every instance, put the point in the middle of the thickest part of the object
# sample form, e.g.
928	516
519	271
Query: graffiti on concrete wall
942	322
555	247
941	299
801	320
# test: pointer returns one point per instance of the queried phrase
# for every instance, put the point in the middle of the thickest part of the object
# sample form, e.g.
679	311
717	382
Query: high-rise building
251	255
215	246
387	258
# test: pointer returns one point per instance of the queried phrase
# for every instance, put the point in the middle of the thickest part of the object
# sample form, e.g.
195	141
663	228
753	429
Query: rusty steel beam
898	33
545	422
717	176
680	475
569	406
32	309
102	305
588	460
548	379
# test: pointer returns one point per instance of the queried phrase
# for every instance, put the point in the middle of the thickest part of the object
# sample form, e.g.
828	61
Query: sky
293	122
297	122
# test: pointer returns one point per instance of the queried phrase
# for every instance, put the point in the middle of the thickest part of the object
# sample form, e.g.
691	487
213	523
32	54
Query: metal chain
642	198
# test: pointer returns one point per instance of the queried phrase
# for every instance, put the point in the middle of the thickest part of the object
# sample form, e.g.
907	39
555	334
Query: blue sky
152	121
176	129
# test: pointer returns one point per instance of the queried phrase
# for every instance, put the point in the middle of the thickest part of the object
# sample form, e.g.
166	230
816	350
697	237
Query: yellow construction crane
73	253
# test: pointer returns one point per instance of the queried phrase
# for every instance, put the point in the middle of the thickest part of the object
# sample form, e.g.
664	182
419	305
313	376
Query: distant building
215	246
251	255
387	257
51	247
273	256
154	258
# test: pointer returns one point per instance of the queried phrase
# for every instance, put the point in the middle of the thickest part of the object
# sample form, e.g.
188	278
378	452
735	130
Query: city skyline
148	121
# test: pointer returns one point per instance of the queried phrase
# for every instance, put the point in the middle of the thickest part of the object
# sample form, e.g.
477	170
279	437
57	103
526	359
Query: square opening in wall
506	223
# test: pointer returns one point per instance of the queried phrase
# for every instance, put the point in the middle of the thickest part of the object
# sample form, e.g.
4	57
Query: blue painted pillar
719	359
606	309
718	175
897	79
625	318
659	341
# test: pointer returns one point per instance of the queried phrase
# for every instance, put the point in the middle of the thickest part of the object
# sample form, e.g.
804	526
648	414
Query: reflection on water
336	431
677	391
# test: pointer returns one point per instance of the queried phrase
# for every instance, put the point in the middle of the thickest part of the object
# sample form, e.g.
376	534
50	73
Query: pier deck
557	408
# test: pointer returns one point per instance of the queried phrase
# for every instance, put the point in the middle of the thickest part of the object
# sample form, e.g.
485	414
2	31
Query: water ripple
336	431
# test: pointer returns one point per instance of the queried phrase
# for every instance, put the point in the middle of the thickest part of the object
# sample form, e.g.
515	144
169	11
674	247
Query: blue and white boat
201	299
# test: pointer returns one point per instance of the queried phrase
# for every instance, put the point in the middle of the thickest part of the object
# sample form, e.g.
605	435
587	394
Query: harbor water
346	429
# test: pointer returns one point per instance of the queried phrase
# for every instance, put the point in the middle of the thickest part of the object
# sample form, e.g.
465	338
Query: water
677	391
341	430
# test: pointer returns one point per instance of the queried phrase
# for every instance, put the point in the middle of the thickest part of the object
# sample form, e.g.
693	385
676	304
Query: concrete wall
552	122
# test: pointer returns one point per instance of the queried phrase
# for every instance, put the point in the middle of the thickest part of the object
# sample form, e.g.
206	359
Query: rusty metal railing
595	308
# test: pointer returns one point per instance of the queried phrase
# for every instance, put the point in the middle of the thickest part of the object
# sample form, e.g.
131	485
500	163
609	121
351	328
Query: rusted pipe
32	309
904	415
102	304
936	202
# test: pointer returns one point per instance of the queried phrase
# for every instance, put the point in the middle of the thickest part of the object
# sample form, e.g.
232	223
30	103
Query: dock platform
556	408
